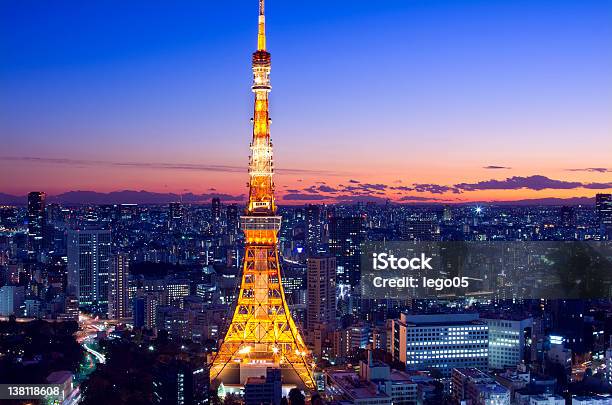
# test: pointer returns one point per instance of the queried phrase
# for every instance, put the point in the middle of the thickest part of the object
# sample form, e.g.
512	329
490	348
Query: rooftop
350	383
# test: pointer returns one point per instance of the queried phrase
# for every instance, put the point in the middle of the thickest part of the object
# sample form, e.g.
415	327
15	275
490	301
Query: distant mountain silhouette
549	201
147	197
122	197
12	199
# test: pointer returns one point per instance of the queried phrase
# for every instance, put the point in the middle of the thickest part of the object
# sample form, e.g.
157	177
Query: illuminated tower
262	332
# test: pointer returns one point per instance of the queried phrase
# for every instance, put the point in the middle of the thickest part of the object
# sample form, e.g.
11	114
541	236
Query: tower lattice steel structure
262	332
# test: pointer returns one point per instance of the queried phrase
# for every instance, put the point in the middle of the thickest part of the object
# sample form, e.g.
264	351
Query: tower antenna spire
261	33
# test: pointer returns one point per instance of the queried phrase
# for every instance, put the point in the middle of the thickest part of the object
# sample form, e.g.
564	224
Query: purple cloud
536	182
327	189
597	186
402	188
591	169
434	188
311	189
369	186
496	167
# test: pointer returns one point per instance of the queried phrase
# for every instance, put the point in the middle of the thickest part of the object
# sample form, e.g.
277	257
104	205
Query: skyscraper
118	286
144	309
313	227
88	265
215	209
215	214
321	286
175	215
321	303
36	222
568	216
231	212
262	332
345	237
603	206
11	299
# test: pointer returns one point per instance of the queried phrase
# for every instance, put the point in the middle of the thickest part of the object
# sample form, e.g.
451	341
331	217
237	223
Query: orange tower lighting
262	332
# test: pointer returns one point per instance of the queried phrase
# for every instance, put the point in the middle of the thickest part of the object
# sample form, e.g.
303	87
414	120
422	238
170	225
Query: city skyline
431	226
463	108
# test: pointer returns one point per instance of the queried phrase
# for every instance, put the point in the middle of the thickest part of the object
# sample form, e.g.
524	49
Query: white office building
508	337
440	342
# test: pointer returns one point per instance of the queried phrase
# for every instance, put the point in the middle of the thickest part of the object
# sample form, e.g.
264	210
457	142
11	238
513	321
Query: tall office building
12	298
231	213
175	215
568	216
88	265
321	302
447	214
603	206
145	309
36	222
440	342
139	311
321	287
215	216
345	237
118	286
71	308
508	340
313	227
216	209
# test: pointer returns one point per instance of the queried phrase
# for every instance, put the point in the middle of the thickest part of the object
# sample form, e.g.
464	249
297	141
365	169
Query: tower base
237	374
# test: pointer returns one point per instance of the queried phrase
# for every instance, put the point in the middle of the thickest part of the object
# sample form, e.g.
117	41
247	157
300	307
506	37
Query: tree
231	399
296	397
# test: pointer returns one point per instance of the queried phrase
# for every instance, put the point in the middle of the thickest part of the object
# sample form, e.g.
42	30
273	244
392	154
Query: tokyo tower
262	332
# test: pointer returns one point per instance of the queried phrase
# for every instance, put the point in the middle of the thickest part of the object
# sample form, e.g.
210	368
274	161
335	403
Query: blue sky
440	88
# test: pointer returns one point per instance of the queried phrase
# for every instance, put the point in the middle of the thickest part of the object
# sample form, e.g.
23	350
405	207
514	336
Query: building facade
508	340
440	342
89	253
118	287
345	237
36	222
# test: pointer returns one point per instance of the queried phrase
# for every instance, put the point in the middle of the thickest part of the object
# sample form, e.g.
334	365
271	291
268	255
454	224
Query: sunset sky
413	100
